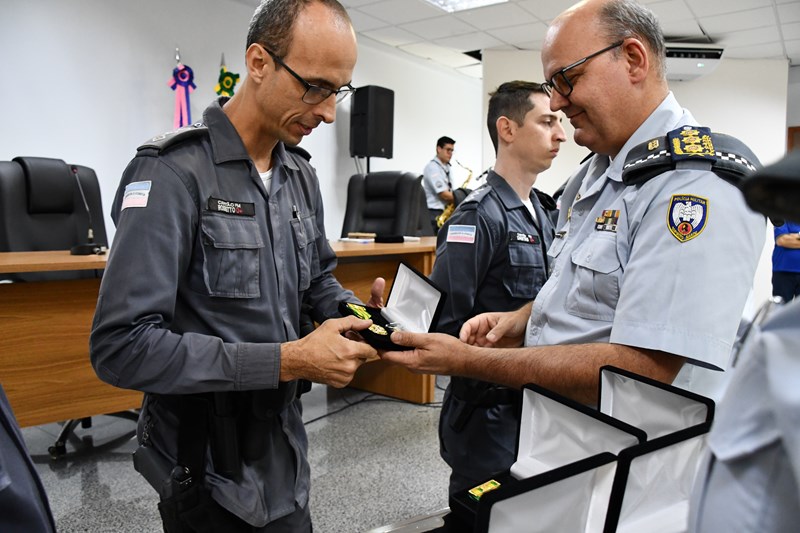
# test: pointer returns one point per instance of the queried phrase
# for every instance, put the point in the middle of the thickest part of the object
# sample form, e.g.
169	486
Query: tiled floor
373	463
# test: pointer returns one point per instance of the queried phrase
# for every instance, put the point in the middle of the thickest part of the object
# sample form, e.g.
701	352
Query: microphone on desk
90	247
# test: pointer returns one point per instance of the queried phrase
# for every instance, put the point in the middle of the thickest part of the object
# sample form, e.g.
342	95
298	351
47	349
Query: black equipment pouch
471	394
188	506
264	406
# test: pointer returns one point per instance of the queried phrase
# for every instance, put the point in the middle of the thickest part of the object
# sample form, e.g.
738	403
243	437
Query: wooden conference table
45	325
359	265
44	342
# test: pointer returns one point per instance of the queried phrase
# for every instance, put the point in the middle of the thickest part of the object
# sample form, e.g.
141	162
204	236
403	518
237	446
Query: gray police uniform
749	481
204	282
490	256
665	265
435	179
23	502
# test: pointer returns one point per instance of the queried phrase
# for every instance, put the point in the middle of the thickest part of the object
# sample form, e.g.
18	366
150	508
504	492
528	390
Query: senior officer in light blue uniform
220	241
644	275
749	480
491	256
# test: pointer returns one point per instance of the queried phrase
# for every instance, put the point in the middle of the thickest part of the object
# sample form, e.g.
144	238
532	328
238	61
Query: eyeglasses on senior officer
561	83
314	93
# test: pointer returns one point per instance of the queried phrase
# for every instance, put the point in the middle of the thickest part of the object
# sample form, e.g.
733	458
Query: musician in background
436	180
491	256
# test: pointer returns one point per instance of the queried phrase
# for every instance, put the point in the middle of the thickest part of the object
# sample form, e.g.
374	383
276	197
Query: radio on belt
414	304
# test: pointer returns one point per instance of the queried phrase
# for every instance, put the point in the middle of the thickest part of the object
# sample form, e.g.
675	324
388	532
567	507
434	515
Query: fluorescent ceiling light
452	6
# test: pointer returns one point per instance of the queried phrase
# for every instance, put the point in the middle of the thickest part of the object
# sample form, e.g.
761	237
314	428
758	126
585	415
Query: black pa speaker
372	122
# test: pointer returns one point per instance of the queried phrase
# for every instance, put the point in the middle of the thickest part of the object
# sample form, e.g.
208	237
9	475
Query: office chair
42	208
386	202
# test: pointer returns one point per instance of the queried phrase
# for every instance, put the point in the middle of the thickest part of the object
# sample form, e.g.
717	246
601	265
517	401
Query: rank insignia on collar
686	216
607	221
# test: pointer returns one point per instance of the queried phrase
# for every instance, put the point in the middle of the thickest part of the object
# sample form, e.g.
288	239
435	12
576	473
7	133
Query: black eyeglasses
314	93
560	82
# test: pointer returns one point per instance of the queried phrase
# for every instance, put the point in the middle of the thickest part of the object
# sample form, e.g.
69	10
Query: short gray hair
621	19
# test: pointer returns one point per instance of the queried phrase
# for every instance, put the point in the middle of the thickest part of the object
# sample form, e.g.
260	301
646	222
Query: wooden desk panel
359	265
44	353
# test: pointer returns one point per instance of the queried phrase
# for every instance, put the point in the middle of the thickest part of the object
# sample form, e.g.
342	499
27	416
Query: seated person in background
436	180
492	256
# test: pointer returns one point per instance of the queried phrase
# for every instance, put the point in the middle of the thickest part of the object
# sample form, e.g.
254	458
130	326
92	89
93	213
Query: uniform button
535	330
578	197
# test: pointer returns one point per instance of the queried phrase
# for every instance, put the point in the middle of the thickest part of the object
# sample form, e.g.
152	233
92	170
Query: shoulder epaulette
475	197
171	138
546	200
690	147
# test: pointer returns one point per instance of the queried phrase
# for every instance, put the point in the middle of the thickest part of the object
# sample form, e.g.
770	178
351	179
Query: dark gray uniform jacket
23	503
202	286
502	270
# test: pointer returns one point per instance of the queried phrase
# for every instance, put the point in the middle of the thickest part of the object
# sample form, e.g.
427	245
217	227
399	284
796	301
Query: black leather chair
42	208
386	203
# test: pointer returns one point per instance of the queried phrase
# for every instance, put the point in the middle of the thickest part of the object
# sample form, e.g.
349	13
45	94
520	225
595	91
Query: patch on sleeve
136	194
465	234
686	216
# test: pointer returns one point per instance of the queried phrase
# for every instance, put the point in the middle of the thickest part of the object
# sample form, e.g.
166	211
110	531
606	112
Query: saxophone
449	208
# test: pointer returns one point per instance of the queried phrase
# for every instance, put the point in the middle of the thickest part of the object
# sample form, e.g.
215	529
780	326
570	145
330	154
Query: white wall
87	81
793	115
743	98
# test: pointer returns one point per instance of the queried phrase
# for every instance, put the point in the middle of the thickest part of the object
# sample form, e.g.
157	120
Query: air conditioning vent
686	63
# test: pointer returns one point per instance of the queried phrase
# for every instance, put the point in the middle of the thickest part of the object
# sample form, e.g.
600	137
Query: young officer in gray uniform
219	242
491	256
749	481
23	502
643	274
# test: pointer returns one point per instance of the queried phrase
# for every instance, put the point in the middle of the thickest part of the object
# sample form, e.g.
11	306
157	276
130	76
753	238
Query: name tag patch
686	216
514	236
457	233
136	194
230	207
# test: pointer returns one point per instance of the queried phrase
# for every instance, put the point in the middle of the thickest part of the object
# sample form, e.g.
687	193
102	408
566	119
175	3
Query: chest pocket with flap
231	255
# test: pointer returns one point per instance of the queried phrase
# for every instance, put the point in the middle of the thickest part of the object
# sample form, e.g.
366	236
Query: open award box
414	304
627	466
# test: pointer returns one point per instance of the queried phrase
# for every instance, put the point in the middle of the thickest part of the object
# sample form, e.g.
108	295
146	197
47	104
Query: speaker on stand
372	123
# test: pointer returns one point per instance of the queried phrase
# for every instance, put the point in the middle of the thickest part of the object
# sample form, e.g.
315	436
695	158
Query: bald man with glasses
644	272
219	250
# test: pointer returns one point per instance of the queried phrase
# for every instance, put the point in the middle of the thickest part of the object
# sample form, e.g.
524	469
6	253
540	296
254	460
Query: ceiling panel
738	39
469	42
718	7
401	11
741	20
496	16
789	12
520	34
392	36
363	22
436	28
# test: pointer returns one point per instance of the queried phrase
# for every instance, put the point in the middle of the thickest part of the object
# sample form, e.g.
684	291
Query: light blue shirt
752	484
620	275
435	179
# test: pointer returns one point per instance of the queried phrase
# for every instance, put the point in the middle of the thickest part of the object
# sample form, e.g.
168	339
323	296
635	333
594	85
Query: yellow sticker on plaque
476	492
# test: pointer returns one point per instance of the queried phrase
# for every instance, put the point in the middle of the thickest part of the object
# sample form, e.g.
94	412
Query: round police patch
686	216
